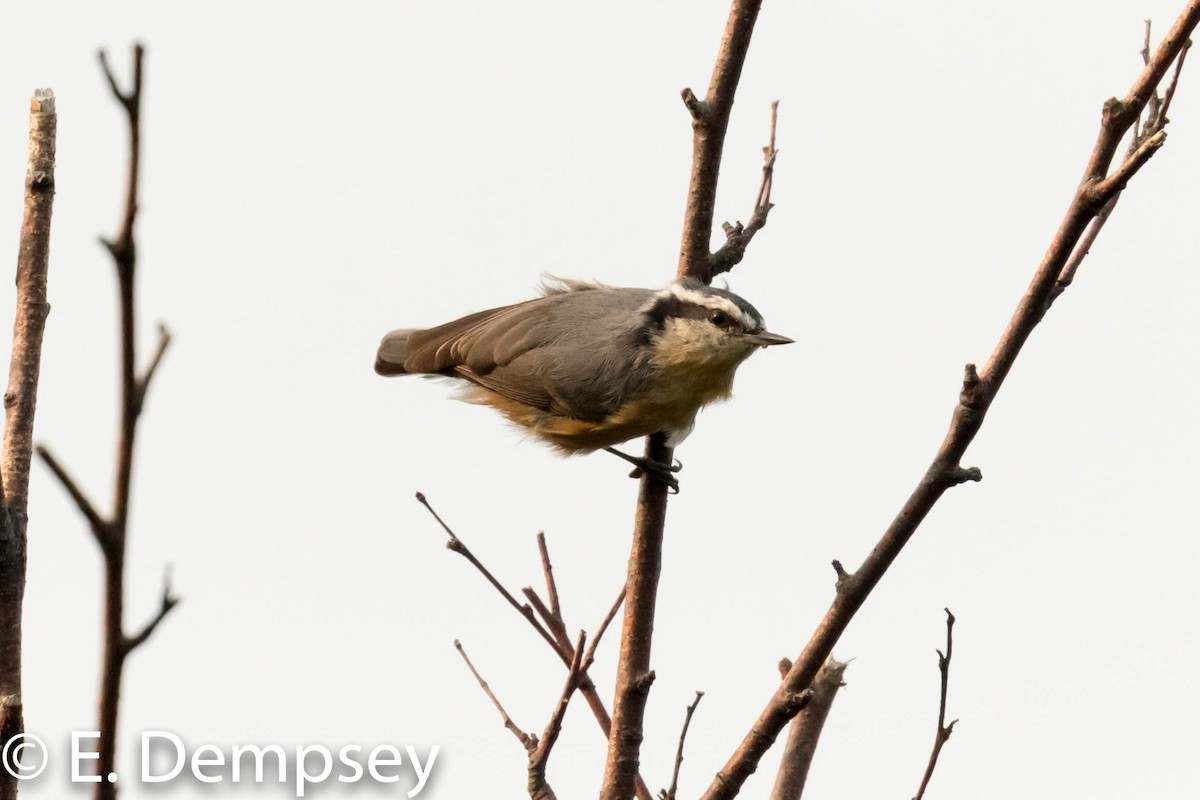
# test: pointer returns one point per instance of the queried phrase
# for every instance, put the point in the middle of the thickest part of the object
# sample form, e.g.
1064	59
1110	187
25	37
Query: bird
587	366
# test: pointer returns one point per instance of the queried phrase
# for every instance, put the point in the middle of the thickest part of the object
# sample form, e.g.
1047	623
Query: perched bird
587	366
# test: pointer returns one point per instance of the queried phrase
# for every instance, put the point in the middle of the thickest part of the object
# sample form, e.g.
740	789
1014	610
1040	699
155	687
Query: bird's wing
481	341
483	347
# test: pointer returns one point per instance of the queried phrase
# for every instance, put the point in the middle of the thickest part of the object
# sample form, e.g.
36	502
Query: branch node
796	701
695	106
642	682
843	577
971	395
956	475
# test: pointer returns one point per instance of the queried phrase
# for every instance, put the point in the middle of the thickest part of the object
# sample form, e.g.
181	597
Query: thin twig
457	545
20	405
738	236
166	605
548	571
943	730
564	650
669	792
554	726
976	396
528	741
1156	120
101	528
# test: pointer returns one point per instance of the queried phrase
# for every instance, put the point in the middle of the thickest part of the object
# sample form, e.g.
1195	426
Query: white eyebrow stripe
716	301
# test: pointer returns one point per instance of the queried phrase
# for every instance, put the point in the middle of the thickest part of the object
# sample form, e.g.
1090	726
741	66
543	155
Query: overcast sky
313	180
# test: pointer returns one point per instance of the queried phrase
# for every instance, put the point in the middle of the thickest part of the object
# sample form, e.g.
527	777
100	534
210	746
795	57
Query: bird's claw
664	473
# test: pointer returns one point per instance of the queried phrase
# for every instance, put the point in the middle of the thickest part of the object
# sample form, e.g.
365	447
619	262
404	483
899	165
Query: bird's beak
766	338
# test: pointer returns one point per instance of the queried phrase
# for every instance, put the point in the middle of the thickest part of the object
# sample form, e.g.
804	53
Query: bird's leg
657	470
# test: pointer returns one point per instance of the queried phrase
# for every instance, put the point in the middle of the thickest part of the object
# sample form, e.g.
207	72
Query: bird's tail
392	352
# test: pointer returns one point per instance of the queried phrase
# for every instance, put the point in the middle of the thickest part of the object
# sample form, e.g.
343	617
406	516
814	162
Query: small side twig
101	528
527	740
167	604
553	632
537	749
1156	121
457	545
738	236
943	730
669	792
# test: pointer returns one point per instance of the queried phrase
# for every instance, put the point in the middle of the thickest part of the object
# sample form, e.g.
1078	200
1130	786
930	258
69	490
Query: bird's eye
718	317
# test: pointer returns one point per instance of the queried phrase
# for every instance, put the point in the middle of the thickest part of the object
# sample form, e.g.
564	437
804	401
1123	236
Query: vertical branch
20	403
710	118
111	533
943	730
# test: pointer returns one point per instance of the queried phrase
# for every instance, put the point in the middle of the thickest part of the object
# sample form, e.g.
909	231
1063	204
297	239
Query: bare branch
710	119
456	545
738	236
538	759
101	528
143	384
943	730
1160	118
33	307
669	792
168	602
548	570
528	741
563	648
608	618
806	730
975	399
112	532
20	405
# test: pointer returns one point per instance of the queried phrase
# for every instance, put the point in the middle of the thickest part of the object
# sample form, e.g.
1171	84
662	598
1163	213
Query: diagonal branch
101	528
943	730
977	394
539	757
527	740
457	545
1156	120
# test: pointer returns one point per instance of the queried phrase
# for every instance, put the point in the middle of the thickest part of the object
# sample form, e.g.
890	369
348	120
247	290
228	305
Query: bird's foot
664	473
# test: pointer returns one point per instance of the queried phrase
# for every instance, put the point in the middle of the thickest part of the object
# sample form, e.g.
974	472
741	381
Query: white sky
313	180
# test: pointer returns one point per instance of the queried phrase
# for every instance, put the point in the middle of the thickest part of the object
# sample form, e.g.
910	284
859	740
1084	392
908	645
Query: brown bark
20	403
978	391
